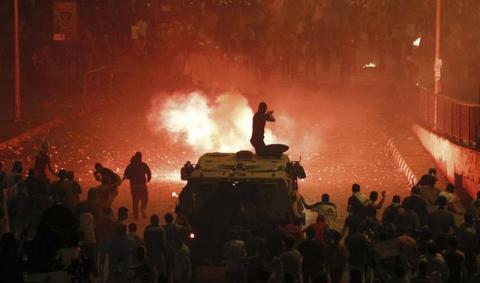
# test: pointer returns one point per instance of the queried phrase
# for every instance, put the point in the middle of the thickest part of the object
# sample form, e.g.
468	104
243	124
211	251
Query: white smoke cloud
222	124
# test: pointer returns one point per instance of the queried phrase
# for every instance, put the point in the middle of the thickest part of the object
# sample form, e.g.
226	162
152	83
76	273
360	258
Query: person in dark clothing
10	262
313	254
32	184
422	276
258	128
258	253
110	181
441	217
357	204
140	270
59	188
3	177
429	179
139	174
155	243
417	204
391	212
42	163
455	260
358	250
468	243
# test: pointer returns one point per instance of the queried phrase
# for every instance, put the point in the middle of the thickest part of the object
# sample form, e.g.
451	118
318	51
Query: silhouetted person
441	217
234	252
468	243
32	183
155	243
358	250
313	254
422	276
121	255
140	270
335	257
13	178
172	232
449	194
75	189
417	204
42	164
475	208
429	179
122	216
324	207
59	189
455	260
258	128
182	262
292	261
407	219
319	227
110	182
19	211
132	233
391	211
258	253
357	203
11	268
437	267
3	176
373	197
139	174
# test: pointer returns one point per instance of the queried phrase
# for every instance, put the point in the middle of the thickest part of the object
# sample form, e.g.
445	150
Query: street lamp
16	43
437	68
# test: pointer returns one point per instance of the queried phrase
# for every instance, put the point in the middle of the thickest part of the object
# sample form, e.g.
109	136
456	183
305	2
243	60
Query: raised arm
148	172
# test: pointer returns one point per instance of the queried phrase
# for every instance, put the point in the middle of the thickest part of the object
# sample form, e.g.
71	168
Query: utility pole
438	62
18	100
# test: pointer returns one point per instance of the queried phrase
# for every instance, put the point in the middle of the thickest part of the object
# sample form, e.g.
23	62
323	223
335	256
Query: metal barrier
454	119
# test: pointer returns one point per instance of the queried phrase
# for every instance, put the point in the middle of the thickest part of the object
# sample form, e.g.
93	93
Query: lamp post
438	62
18	101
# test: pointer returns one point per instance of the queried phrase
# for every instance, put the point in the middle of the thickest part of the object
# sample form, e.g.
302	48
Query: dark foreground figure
258	133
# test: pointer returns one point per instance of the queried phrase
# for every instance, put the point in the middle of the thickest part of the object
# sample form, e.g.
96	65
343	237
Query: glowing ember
192	236
370	65
222	125
417	42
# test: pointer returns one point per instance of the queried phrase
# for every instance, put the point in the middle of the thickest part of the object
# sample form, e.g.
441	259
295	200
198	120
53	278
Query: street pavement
337	132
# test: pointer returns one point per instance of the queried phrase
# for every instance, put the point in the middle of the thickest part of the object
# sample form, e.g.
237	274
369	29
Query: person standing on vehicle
258	127
139	174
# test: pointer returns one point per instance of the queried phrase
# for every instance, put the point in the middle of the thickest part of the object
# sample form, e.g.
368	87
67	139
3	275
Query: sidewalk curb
42	128
400	160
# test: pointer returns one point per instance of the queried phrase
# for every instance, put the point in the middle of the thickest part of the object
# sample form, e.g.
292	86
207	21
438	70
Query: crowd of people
299	39
49	231
412	240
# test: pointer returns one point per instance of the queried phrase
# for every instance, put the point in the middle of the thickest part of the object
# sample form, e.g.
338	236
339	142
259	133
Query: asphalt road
336	130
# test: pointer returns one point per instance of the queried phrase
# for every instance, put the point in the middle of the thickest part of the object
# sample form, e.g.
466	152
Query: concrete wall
460	165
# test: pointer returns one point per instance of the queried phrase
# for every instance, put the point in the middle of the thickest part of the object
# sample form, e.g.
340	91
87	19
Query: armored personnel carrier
234	192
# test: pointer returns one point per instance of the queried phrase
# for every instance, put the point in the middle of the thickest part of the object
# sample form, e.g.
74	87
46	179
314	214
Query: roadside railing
456	120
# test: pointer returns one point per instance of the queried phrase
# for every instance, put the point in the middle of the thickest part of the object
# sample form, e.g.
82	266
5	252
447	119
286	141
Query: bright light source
174	195
206	124
370	65
191	236
417	42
